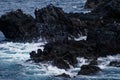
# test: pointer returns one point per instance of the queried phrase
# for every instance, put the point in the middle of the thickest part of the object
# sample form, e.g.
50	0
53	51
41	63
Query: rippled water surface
29	6
13	56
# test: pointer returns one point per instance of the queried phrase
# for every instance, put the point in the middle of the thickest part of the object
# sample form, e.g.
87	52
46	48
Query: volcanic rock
63	75
109	10
92	4
18	26
93	62
88	70
54	24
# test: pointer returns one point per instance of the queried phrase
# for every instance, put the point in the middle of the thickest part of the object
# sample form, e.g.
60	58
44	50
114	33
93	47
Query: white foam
48	69
104	61
81	38
18	53
82	61
2	37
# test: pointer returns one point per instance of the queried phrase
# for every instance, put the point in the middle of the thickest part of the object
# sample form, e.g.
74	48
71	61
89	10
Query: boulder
88	70
63	75
33	55
37	56
61	63
18	26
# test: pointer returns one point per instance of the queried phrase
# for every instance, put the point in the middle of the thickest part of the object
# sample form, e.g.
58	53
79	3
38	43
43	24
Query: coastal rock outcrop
63	75
18	26
50	22
88	70
64	54
103	33
54	24
101	26
100	42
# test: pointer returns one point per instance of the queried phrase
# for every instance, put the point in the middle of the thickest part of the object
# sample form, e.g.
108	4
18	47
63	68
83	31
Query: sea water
13	56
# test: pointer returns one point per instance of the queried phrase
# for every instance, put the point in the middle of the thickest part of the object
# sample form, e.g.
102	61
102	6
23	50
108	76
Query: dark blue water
28	6
13	56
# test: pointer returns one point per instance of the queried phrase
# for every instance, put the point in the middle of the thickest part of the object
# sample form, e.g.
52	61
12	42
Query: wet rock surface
63	75
17	26
92	4
105	39
64	54
50	23
103	33
101	26
115	63
54	24
88	70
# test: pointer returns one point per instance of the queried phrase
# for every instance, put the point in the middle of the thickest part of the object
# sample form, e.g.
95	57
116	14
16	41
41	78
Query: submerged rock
88	70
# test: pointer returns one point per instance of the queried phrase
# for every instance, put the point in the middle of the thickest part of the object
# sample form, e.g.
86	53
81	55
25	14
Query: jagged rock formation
18	26
92	4
54	24
103	37
88	70
102	25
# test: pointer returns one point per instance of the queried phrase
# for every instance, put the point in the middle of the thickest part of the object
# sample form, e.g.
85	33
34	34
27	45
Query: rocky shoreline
101	26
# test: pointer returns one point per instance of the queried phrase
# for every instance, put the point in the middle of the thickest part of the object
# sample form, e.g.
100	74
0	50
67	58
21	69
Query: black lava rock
18	26
88	70
54	24
63	75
